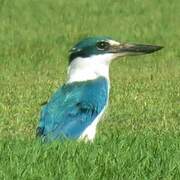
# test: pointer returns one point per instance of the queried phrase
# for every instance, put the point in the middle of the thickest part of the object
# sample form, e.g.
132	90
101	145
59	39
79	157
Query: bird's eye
102	45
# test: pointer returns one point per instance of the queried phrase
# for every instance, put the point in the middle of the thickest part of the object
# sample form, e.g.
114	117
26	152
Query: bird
75	109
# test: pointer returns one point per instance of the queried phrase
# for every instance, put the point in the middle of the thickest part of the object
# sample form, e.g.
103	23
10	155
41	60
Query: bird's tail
39	132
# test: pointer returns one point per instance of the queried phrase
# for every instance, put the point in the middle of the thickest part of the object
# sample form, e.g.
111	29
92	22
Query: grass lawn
140	135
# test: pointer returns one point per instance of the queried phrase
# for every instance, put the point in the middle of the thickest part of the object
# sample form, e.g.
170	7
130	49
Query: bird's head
90	58
108	48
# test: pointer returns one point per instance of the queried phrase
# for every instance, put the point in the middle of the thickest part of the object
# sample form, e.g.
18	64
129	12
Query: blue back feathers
72	109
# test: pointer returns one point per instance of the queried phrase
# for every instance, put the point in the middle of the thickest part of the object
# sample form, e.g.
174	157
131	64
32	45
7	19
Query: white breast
90	132
83	69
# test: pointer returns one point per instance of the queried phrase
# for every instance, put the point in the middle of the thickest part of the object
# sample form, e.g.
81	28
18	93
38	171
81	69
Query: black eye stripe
103	45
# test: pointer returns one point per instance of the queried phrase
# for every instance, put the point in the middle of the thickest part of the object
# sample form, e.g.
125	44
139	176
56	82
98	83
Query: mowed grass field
139	137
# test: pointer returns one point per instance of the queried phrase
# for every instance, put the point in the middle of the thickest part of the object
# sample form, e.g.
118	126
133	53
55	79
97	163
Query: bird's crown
100	45
90	46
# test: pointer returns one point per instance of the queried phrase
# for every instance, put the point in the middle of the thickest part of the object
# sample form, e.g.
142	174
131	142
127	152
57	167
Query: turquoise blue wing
72	109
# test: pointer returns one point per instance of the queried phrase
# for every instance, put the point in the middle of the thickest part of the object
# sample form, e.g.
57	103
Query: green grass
139	137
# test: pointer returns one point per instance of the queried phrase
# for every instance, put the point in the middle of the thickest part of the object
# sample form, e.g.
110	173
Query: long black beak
134	49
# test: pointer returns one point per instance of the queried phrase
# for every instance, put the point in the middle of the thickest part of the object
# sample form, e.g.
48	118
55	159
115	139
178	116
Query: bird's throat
87	69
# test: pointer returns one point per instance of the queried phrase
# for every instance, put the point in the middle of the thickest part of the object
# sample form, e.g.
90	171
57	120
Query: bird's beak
123	49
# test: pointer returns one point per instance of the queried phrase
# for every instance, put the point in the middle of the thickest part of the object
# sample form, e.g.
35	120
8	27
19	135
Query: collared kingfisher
75	109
